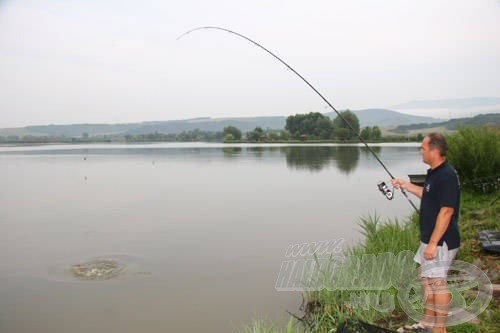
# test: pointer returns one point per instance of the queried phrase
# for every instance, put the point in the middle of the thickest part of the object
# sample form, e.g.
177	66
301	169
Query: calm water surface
202	228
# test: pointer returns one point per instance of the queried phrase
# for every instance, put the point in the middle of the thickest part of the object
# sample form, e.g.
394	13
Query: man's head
434	149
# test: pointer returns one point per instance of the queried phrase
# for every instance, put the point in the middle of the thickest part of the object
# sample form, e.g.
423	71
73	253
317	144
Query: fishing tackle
310	86
385	190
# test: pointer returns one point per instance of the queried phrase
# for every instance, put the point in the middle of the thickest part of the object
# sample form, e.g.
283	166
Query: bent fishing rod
381	185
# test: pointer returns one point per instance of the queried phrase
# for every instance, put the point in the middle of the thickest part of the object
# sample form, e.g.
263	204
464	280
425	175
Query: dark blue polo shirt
441	189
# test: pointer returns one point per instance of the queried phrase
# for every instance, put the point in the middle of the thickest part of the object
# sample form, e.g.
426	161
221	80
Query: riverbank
324	309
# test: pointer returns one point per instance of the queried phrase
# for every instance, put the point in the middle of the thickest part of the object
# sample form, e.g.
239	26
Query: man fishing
438	214
439	234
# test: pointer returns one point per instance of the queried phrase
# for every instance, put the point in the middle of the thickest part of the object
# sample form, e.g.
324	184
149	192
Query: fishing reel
385	190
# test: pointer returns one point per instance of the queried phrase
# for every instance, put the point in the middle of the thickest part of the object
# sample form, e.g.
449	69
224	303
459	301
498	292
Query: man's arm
410	187
442	222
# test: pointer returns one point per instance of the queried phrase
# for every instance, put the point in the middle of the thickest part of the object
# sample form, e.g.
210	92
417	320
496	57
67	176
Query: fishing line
317	92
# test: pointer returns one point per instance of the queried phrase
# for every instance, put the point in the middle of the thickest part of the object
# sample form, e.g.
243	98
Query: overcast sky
116	61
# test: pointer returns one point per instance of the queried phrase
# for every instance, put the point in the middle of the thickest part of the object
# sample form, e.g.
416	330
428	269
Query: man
439	235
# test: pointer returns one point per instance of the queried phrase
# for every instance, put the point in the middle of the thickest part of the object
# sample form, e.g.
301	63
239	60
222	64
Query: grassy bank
326	305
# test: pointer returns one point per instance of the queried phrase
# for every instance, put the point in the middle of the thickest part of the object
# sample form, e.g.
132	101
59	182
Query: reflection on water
375	149
203	229
298	157
311	158
308	158
232	152
315	158
347	158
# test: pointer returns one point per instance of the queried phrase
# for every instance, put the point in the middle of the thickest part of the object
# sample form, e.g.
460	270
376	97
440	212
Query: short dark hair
437	140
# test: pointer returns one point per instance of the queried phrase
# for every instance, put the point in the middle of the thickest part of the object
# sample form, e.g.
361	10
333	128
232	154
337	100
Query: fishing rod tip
190	31
182	35
201	28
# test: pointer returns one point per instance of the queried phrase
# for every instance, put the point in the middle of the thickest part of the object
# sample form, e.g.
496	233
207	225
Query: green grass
477	212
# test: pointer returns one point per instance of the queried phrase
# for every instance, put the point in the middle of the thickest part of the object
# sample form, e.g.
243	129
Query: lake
202	229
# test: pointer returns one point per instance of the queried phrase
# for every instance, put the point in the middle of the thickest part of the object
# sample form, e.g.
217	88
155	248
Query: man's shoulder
446	169
451	171
448	177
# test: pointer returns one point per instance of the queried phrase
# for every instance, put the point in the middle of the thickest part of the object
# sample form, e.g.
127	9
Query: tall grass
326	305
391	236
474	152
364	285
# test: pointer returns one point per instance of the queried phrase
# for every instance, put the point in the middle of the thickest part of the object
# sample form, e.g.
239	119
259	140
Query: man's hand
398	183
430	251
412	188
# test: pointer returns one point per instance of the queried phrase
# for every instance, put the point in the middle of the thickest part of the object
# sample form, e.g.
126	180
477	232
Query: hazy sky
116	61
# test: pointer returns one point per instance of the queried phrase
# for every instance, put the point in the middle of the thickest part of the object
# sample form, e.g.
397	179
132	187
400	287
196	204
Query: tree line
317	126
184	136
310	126
313	126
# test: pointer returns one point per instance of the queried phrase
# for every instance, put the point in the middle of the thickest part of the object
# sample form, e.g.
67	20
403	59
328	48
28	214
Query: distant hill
453	103
208	124
386	118
367	117
491	120
451	108
169	126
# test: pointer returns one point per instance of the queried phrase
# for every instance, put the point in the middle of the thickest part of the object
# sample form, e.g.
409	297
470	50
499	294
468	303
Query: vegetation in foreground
475	153
323	310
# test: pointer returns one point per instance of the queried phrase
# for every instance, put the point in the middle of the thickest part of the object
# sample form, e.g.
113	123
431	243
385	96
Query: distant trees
341	130
313	125
317	126
256	135
366	133
371	133
184	136
376	133
231	133
34	139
